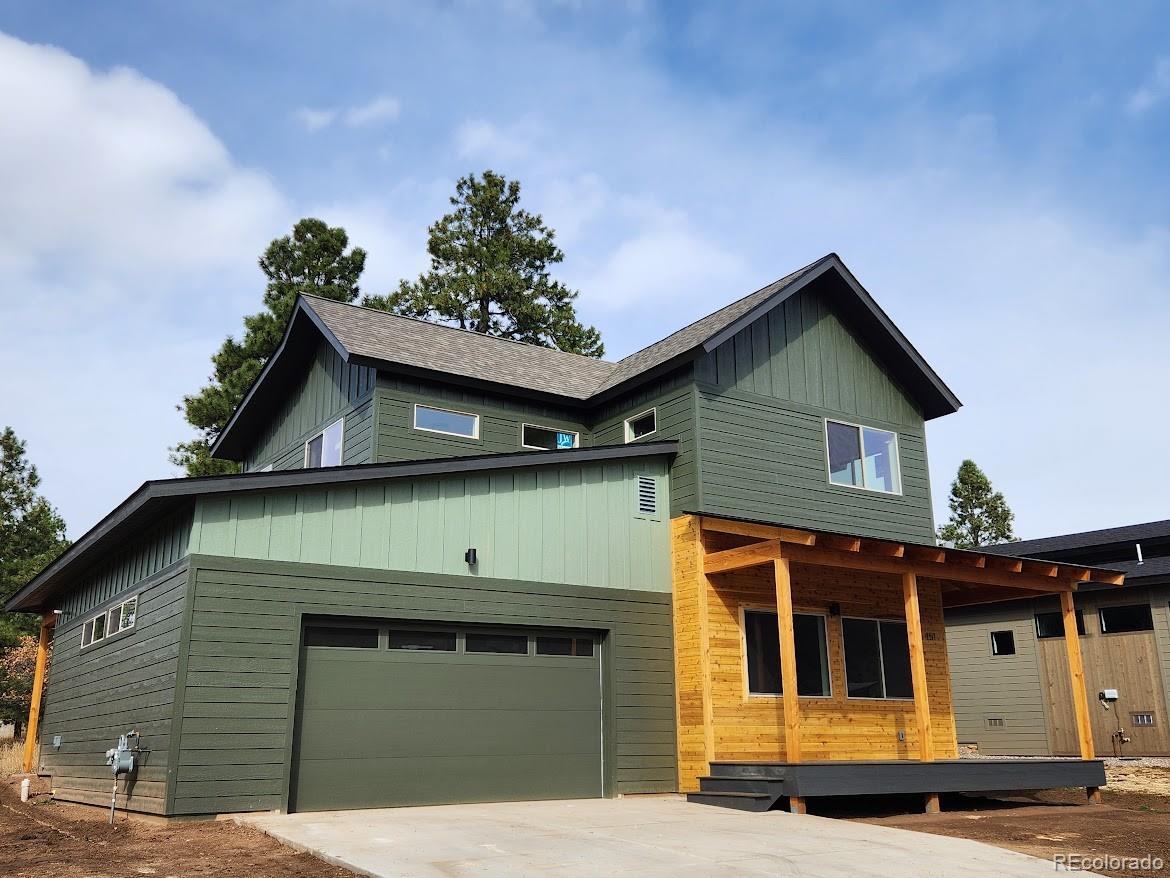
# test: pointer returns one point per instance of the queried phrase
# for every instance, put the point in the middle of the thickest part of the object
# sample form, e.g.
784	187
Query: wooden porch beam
742	556
1039	568
763	531
918	667
1011	565
926	553
788	684
953	573
32	730
1076	675
887	550
841	544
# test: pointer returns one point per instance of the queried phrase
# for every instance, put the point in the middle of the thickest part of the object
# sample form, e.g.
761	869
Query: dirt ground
44	838
1132	823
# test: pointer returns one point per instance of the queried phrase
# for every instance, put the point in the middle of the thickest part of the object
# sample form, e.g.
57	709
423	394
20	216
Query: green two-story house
459	568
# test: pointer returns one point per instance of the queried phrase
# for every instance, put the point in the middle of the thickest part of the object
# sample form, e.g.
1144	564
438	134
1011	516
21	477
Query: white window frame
575	434
744	609
881	657
105	616
861	428
629	437
435	408
320	435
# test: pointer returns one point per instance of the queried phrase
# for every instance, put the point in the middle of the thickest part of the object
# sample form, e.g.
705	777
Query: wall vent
995	722
1143	719
647	496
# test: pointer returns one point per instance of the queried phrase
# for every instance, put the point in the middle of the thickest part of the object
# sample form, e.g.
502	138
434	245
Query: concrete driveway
643	836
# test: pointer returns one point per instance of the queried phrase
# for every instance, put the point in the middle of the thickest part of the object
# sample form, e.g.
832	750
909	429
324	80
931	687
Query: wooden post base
1094	795
932	805
796	805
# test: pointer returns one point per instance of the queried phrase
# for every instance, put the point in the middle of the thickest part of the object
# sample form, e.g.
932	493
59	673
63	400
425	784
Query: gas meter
121	758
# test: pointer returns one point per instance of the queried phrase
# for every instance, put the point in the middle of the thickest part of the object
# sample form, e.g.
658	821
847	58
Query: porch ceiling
967	577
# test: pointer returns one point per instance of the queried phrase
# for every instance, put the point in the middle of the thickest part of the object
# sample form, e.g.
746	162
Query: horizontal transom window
863	457
762	648
117	618
549	438
452	423
1131	617
641	425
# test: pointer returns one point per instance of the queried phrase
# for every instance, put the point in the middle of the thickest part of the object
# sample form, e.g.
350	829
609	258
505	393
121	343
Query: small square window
548	438
325	448
641	425
1124	619
1003	643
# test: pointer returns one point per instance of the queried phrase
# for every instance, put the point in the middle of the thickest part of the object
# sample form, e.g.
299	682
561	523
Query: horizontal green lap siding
766	459
568	524
246	618
328	388
125	682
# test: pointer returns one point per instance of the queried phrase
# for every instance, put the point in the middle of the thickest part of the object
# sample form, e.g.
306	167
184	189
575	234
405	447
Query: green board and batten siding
328	389
762	399
236	744
127	681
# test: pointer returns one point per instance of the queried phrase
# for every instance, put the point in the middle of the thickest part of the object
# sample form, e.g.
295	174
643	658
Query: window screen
338	636
1134	617
1003	643
435	641
762	644
546	437
516	644
445	421
1052	624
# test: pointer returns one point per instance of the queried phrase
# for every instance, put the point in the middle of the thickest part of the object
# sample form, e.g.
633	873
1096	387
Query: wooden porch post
1076	676
791	697
918	675
31	730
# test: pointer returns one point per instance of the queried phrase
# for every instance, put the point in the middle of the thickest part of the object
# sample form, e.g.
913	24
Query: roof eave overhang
174	492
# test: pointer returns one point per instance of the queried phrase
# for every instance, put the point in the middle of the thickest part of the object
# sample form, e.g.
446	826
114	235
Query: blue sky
995	174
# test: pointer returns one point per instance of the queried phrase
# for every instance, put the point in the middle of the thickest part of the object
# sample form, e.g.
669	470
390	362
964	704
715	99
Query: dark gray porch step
739	801
771	770
771	785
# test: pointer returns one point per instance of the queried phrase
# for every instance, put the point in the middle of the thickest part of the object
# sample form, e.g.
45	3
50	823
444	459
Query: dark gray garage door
410	715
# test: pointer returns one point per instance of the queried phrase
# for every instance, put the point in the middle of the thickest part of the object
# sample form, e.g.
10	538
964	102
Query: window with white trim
547	438
112	621
324	449
446	421
762	653
877	658
642	424
863	457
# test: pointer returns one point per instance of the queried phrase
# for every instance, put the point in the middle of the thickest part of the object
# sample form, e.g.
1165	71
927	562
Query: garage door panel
388	781
358	733
404	684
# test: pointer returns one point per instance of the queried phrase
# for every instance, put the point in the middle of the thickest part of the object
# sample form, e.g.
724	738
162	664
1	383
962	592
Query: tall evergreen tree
980	515
489	272
31	532
313	260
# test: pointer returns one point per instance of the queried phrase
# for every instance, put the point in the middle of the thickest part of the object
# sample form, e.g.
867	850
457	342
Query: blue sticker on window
564	440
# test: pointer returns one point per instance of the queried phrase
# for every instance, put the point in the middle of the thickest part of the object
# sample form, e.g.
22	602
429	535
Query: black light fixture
469	557
834	609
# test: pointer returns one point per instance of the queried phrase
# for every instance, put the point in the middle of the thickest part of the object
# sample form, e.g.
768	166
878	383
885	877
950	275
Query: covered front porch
859	635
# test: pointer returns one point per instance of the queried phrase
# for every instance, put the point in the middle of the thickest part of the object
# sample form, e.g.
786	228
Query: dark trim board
896	777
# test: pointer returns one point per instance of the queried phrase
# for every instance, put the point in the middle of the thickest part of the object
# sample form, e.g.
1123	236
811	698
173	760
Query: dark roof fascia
174	491
223	447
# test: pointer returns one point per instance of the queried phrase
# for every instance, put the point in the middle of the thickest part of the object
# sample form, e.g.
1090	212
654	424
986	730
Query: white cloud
487	141
373	112
1153	91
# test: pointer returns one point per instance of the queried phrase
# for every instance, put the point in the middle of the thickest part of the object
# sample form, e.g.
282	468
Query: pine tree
489	273
979	515
31	532
313	259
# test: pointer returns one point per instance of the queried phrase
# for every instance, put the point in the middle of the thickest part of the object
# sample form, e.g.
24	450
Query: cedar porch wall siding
328	389
752	727
236	736
763	397
123	683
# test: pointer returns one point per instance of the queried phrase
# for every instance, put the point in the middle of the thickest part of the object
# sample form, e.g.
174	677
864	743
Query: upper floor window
641	425
109	623
324	449
445	421
533	436
863	457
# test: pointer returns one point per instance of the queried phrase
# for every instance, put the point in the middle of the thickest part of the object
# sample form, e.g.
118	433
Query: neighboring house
458	568
1124	637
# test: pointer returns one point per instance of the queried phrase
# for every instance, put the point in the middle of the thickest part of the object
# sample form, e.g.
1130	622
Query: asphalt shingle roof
1130	533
